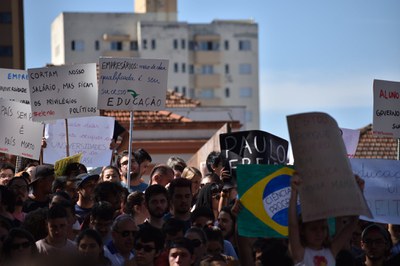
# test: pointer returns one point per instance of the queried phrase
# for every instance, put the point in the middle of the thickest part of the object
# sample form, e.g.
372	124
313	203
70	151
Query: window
175	44
207	94
207	69
144	44
5	18
134	45
153	44
226	45
183	91
245	92
226	69
96	45
244	45
227	92
6	51
208	46
77	45
116	46
176	89
245	69
191	69
176	70
183	68
183	44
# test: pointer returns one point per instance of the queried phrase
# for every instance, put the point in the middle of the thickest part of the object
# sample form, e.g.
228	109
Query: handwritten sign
90	136
63	92
19	135
132	84
61	165
386	121
252	147
329	188
382	188
14	85
350	139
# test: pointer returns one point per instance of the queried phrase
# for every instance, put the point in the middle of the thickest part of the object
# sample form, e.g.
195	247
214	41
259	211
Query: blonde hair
189	172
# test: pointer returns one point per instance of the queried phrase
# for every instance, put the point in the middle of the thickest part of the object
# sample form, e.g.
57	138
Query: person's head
173	229
226	222
109	191
101	218
85	185
57	225
180	252
123	164
35	223
177	164
135	206
202	216
19	185
214	162
214	260
90	244
74	169
156	200
314	234
209	178
19	246
161	174
149	243
143	159
71	217
209	196
42	180
7	172
195	176
111	174
376	242
123	233
215	240
180	195
199	242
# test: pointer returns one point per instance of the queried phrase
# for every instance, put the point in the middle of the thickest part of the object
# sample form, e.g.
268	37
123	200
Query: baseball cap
42	171
82	178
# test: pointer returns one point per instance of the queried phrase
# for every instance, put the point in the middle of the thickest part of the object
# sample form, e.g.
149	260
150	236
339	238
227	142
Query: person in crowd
30	169
7	205
199	242
40	185
202	216
193	174
216	245
56	240
19	248
227	223
180	196
180	252
177	164
136	207
7	172
143	159
209	196
209	178
394	230
228	194
90	246
85	187
120	249
309	241
136	183
73	170
214	162
35	223
69	186
101	219
110	192
19	185
111	174
275	252
156	201
161	174
73	226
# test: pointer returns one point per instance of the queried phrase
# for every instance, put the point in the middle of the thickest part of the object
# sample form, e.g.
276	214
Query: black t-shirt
31	205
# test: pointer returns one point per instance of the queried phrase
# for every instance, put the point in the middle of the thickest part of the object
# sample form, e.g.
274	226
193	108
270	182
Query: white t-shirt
45	248
321	257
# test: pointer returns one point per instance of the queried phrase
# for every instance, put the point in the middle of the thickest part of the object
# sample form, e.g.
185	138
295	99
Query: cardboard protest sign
350	139
386	121
382	188
132	84
252	147
14	85
61	165
264	192
329	188
19	135
63	92
90	136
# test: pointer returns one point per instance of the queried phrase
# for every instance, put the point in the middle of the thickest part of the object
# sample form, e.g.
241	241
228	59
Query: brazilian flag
264	192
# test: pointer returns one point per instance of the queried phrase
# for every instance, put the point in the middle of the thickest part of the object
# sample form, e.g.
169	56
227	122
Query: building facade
215	63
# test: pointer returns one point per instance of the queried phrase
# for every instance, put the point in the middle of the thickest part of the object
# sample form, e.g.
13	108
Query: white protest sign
132	84
386	122
350	139
382	188
14	85
19	135
90	136
63	92
329	188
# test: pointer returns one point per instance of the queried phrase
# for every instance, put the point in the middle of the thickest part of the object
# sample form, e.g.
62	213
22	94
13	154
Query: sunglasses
126	233
196	243
21	245
146	248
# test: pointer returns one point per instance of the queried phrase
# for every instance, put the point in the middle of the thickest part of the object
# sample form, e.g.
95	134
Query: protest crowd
178	217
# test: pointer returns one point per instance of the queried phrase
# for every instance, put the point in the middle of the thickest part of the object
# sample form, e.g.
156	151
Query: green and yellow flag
264	192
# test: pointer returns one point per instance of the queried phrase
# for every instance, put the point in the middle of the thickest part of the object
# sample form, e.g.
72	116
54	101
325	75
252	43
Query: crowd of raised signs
178	217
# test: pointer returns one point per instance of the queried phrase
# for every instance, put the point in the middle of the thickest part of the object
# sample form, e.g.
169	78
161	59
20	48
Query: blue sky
314	55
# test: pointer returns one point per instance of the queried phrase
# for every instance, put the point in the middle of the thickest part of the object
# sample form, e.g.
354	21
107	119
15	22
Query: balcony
207	57
207	81
116	37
